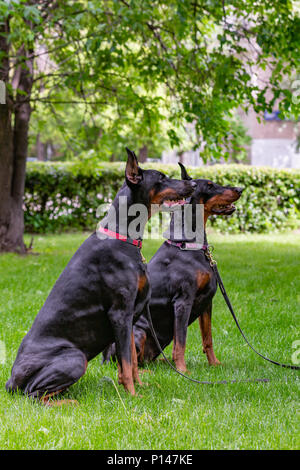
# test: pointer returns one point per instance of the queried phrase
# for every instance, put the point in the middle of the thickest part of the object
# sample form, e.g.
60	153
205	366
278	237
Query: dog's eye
210	184
162	177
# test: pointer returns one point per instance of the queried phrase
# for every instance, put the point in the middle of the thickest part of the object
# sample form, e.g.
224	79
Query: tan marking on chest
142	281
202	278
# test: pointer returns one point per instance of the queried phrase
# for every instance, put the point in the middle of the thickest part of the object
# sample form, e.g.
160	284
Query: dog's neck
177	231
117	218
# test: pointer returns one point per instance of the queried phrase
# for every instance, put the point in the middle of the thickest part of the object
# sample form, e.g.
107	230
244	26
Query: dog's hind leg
62	371
207	343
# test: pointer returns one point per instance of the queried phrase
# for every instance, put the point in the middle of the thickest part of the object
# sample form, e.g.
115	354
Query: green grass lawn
261	275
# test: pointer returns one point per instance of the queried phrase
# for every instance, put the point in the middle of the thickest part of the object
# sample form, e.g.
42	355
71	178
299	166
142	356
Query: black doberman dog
101	292
182	283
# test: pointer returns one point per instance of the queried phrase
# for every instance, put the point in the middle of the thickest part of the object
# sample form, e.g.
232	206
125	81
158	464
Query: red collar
118	236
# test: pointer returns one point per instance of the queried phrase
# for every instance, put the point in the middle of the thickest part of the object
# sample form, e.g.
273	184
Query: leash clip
208	254
143	258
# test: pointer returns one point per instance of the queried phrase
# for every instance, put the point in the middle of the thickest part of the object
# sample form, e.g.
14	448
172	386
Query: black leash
202	382
213	265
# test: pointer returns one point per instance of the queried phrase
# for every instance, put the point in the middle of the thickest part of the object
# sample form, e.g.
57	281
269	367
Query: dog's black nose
239	190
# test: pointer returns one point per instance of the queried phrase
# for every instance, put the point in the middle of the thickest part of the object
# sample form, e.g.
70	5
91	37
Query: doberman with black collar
182	283
101	292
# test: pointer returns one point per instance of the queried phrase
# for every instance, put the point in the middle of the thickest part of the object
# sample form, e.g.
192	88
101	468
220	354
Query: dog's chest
206	287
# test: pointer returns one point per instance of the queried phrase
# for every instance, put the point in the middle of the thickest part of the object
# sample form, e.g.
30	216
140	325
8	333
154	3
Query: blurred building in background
273	140
274	143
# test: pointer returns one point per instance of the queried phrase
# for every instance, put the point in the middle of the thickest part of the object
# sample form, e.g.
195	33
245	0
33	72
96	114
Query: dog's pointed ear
184	174
133	173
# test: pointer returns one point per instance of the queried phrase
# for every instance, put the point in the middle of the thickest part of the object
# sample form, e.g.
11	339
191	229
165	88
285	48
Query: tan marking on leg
45	400
125	377
142	349
173	349
207	343
119	374
134	361
178	355
61	403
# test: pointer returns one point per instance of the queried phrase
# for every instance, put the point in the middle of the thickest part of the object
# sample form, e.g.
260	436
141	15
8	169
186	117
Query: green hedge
63	196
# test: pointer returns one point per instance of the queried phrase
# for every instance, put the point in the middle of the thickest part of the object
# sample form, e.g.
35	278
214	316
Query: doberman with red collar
182	283
101	292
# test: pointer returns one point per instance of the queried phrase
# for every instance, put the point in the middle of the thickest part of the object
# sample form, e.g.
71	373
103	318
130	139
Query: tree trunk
143	154
13	150
6	144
